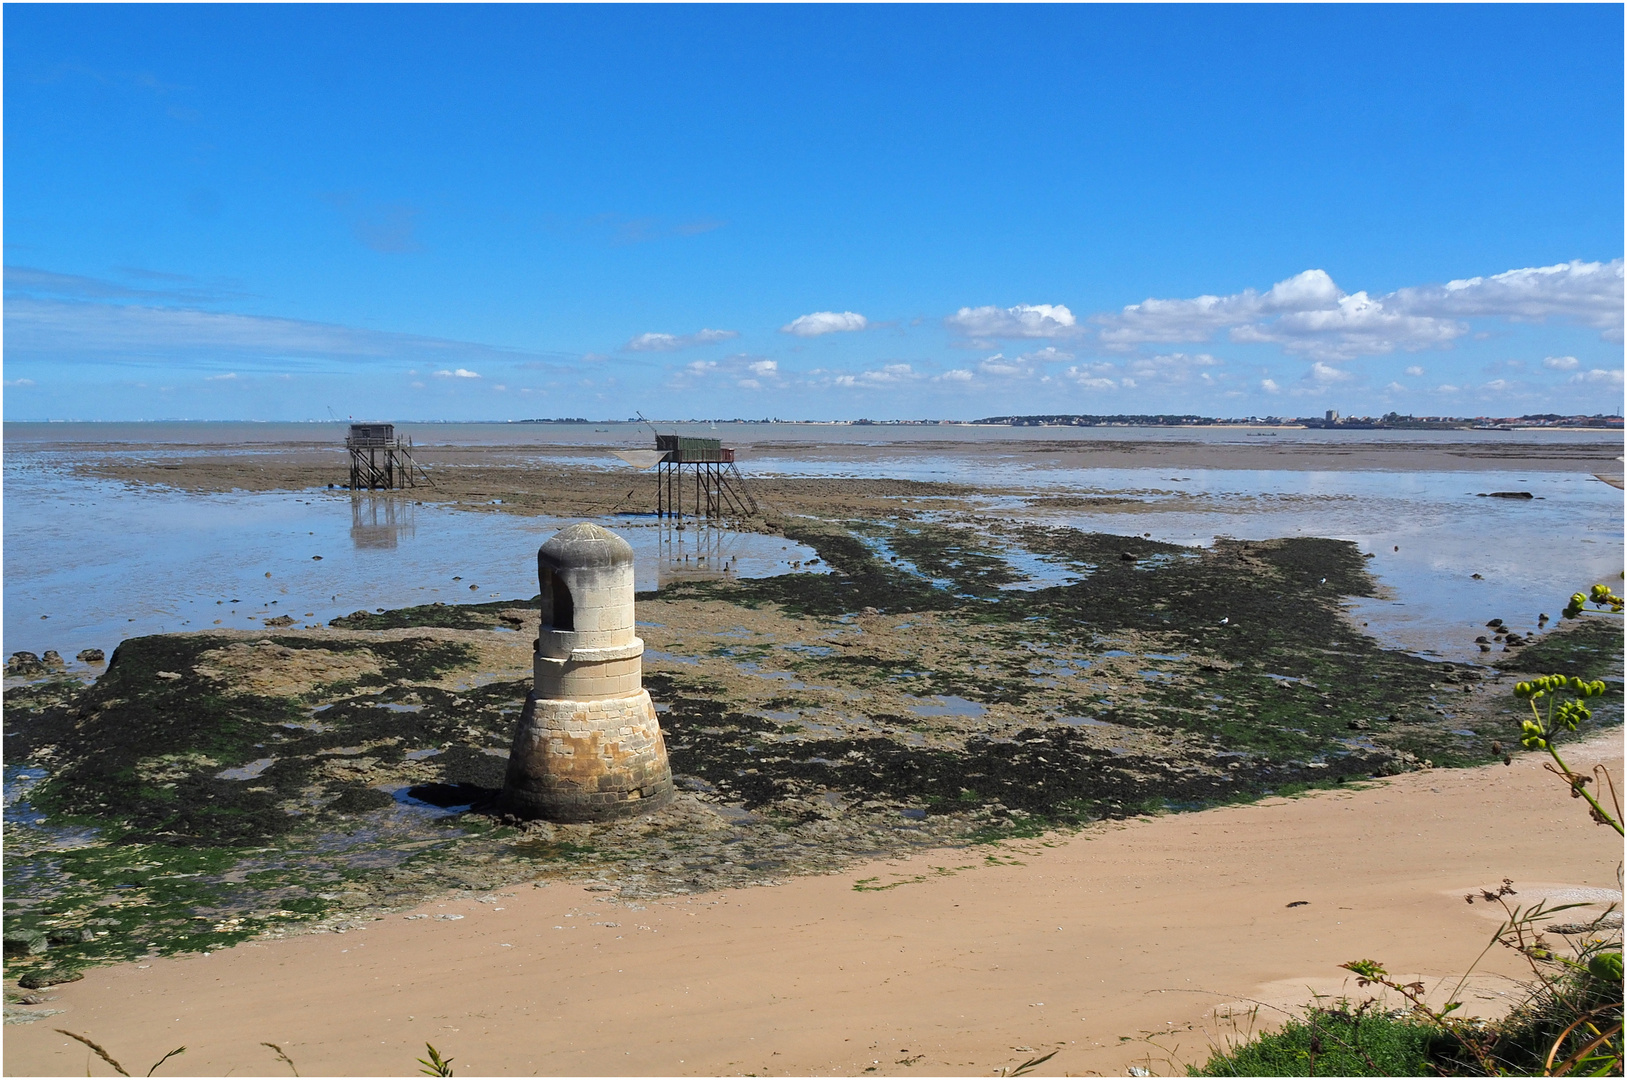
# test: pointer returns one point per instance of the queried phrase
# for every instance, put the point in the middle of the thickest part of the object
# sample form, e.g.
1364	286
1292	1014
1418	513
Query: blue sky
810	212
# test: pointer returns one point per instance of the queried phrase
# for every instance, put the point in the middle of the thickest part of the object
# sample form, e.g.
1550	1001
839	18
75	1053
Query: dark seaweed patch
486	616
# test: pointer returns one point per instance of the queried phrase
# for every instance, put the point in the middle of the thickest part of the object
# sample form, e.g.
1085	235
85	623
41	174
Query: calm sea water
88	562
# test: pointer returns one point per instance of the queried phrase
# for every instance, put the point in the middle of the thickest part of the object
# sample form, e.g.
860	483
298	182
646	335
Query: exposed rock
280	620
53	659
25	942
272	670
91	656
38	980
24	663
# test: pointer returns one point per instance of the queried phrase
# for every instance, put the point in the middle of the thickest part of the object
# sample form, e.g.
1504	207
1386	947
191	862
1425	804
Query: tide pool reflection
377	521
703	553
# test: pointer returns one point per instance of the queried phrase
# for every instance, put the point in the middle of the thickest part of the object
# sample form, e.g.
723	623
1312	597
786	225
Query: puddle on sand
246	772
948	705
1083	721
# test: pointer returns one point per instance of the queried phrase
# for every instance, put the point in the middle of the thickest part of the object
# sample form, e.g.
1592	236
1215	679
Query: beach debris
167	676
1477	577
1299	903
24	663
91	656
1506	495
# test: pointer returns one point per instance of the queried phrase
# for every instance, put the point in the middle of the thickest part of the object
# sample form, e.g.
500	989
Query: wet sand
562	478
975	959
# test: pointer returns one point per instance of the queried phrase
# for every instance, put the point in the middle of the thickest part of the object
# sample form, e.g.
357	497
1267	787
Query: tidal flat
935	671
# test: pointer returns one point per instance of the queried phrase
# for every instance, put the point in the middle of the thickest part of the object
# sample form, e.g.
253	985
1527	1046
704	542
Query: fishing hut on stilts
719	488
379	461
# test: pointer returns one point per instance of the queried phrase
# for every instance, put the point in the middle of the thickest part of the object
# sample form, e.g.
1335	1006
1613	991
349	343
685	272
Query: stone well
588	747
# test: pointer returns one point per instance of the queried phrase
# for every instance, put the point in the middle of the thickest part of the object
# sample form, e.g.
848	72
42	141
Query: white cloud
458	373
1446	388
1022	321
960	375
1394	388
825	322
1310	315
1607	377
701	367
764	367
1088	377
1327	375
21	382
889	375
1171	369
674	342
1497	384
1562	363
220	378
1586	292
1269	386
1415	370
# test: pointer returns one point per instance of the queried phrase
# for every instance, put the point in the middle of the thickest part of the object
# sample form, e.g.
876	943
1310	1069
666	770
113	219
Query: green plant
1335	1040
435	1065
1565	708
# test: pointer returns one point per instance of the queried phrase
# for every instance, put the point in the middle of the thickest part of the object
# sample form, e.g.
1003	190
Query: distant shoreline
1455	424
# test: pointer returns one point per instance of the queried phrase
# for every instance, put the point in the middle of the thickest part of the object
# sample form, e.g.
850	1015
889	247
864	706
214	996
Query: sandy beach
1113	946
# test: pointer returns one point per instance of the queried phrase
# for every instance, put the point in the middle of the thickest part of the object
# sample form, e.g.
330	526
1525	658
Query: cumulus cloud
1586	292
1022	321
825	322
958	375
1599	376
1561	363
1269	386
1415	370
1170	369
457	373
1326	374
1309	315
220	378
888	375
21	382
675	342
